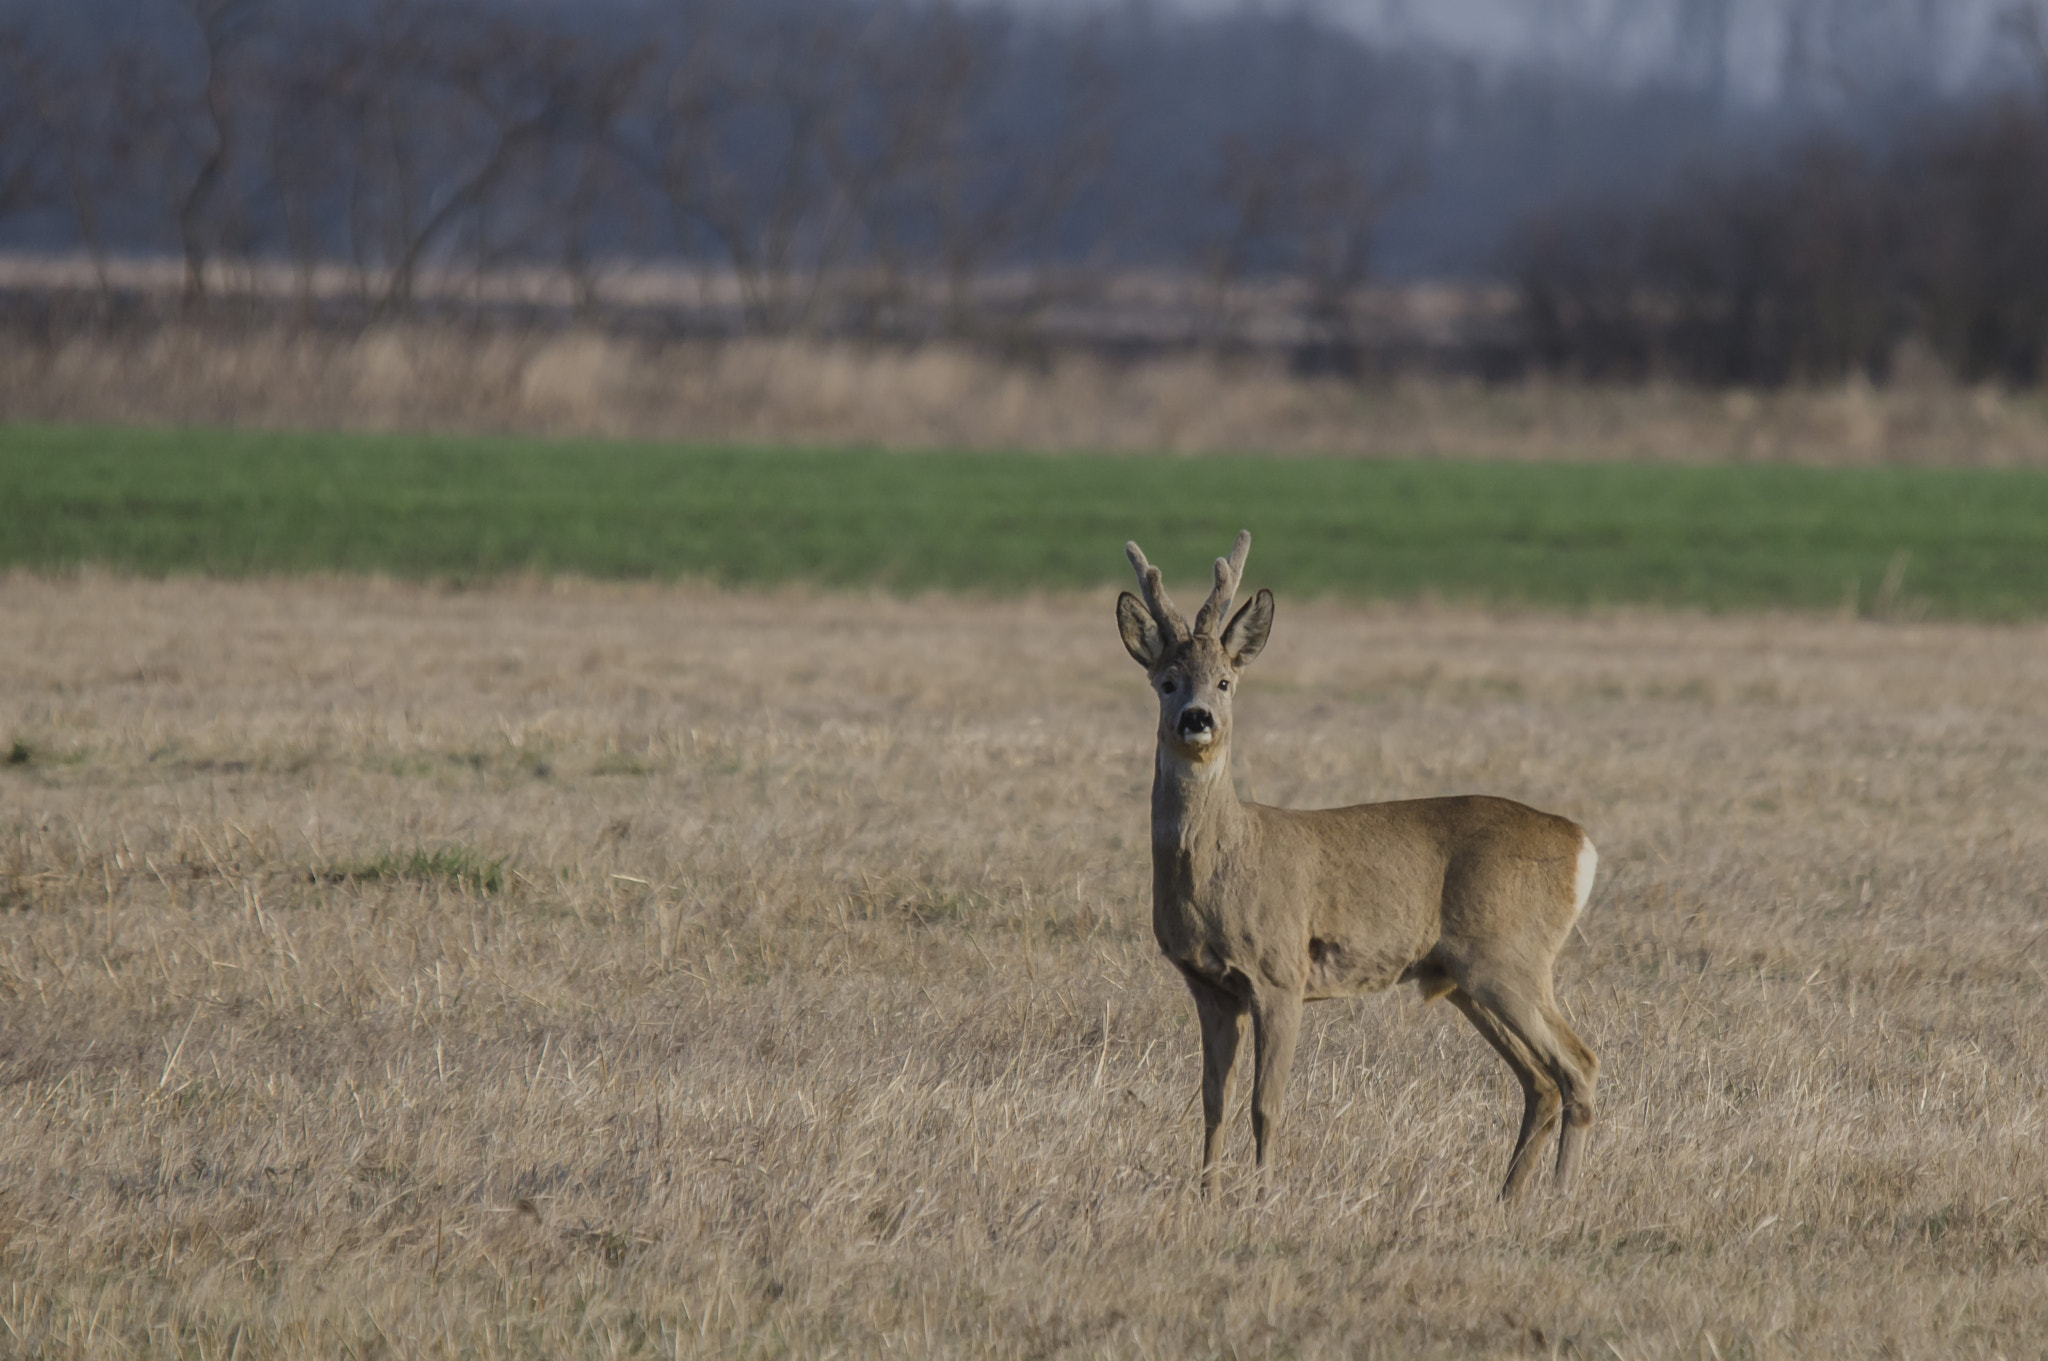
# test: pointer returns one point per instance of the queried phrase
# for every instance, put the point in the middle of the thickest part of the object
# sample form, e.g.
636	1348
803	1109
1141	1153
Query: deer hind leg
1541	1100
1276	1024
1583	1072
1222	1015
1556	1069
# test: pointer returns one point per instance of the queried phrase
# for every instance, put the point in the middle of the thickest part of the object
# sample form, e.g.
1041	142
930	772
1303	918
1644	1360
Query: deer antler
1173	625
1229	572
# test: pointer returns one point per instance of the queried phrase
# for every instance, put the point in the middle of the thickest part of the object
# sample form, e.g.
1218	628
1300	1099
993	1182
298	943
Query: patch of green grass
1962	542
462	866
456	766
622	763
21	753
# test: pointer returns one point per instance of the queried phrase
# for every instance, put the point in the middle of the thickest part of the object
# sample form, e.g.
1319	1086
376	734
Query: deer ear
1140	634
1246	636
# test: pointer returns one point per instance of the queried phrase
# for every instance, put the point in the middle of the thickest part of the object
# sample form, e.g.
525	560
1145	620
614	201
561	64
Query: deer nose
1195	721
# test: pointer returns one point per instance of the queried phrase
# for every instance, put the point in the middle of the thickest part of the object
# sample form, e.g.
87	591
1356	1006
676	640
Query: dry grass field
556	970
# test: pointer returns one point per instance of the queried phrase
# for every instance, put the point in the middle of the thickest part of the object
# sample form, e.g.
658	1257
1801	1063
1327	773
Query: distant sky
1951	41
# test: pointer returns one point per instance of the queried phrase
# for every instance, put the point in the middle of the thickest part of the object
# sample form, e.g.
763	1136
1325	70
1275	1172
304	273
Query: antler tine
1229	572
1170	620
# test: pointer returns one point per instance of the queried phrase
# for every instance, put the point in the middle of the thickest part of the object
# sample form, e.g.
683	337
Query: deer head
1194	670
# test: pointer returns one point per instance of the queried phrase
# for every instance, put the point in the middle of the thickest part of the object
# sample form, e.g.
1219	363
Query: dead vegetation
812	1006
589	382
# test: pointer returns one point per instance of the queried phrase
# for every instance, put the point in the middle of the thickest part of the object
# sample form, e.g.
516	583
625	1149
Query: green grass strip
458	865
1969	543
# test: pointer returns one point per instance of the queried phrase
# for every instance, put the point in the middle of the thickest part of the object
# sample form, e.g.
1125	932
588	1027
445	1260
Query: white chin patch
1199	739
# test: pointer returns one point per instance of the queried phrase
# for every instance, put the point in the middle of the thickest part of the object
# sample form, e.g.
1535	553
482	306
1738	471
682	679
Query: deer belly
1336	969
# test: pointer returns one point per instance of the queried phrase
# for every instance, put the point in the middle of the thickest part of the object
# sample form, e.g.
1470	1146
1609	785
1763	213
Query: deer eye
1223	684
1166	687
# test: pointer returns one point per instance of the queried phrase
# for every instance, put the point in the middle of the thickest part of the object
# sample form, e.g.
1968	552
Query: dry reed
447	378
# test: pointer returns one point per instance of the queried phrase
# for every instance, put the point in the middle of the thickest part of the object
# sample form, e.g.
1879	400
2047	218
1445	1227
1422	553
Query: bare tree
220	25
937	156
740	154
2024	25
1979	234
1301	208
899	154
29	173
65	137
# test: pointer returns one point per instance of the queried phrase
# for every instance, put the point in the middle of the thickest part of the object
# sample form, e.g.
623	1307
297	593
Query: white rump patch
1582	882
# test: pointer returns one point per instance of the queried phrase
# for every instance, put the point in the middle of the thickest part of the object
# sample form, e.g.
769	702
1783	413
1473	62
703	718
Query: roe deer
1263	909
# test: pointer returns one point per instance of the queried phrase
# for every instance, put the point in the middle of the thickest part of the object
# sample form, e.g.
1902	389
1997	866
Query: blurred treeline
874	166
1124	178
1820	260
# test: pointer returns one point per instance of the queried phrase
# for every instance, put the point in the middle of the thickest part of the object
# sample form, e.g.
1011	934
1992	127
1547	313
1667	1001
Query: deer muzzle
1196	726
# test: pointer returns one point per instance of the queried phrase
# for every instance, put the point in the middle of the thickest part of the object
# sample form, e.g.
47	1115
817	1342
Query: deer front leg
1276	1022
1222	1015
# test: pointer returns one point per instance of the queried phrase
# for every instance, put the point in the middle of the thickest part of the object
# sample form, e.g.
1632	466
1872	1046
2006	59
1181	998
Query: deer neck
1195	813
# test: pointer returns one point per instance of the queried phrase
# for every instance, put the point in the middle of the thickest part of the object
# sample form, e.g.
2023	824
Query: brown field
815	1011
588	383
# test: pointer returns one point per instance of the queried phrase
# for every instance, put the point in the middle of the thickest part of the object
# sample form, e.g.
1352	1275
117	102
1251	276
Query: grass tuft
462	866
